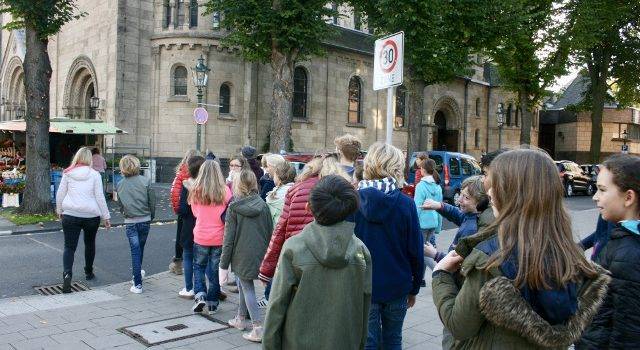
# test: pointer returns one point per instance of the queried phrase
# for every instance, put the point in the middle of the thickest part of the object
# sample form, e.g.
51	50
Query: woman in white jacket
80	204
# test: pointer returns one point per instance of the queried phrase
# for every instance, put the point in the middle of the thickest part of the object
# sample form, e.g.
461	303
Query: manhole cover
57	288
173	329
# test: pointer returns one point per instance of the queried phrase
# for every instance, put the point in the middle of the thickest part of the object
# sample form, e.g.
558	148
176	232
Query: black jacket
188	220
617	324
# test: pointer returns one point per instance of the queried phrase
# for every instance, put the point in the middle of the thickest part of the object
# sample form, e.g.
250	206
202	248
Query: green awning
68	126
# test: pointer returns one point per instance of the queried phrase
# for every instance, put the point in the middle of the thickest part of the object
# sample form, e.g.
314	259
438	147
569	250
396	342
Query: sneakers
255	335
232	289
175	266
142	274
199	304
136	289
88	273
239	323
186	294
262	303
66	283
212	309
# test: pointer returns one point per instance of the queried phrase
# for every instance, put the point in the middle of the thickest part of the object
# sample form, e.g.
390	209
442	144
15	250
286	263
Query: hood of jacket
431	187
329	244
249	206
375	205
79	173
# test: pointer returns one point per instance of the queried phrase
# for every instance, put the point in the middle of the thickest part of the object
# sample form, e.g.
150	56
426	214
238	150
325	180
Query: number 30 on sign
388	61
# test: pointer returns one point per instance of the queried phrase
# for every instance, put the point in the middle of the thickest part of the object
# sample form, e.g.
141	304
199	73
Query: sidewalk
164	213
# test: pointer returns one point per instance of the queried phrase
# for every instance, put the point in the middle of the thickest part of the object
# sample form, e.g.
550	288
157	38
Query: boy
348	148
330	309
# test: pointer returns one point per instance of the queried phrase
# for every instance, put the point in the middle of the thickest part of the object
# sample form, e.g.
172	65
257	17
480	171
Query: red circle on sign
395	56
200	115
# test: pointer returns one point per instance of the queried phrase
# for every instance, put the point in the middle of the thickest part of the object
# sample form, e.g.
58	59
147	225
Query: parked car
453	169
574	179
592	170
299	159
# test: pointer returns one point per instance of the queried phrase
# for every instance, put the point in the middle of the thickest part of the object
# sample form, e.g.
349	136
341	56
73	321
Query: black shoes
66	283
88	272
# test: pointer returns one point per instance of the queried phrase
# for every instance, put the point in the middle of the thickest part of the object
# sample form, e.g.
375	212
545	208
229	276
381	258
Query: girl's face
614	204
271	170
234	166
467	203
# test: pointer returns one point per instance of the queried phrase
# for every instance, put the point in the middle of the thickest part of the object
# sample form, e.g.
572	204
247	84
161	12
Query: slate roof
574	94
353	40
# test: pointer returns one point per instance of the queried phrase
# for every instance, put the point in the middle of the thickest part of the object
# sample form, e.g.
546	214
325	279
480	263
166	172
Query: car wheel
569	190
591	189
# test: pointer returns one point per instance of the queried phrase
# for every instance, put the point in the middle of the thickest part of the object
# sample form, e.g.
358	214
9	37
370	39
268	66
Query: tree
281	33
40	20
604	37
528	52
440	36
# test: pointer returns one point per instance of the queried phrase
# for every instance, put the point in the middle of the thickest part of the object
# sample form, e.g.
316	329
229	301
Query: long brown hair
209	187
245	183
533	223
429	167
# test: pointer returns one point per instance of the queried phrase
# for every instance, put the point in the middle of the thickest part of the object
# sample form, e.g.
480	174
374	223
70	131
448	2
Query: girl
208	199
138	204
616	326
235	165
528	286
284	176
80	204
182	173
430	220
267	183
247	231
420	159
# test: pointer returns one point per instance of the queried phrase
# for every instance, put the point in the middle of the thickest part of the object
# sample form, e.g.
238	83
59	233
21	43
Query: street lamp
625	138
500	118
200	77
94	103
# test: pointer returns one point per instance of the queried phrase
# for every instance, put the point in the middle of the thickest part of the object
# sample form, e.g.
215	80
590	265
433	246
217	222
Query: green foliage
294	28
26	219
45	16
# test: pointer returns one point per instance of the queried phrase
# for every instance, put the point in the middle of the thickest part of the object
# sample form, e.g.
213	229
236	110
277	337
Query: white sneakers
136	289
263	303
255	335
186	294
239	323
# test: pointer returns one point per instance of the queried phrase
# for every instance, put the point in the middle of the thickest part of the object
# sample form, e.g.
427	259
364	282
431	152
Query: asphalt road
36	259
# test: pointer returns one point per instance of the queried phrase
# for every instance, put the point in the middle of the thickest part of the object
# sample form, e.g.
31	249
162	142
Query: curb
59	228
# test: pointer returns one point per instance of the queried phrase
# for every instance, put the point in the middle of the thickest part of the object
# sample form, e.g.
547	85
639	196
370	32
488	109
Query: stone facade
131	55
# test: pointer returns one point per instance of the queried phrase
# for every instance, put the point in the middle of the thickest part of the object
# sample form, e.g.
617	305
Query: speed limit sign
388	61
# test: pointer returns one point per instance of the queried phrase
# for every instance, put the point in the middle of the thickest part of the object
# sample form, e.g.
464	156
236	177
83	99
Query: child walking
247	232
430	221
138	204
616	324
322	287
208	199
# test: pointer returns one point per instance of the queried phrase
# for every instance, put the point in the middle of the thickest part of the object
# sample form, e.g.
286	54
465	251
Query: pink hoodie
209	229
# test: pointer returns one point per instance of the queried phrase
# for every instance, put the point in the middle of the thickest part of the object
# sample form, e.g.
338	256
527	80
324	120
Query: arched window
225	99
357	20
193	14
478	107
179	13
300	93
517	115
215	22
355	98
476	138
167	14
180	81
401	106
509	110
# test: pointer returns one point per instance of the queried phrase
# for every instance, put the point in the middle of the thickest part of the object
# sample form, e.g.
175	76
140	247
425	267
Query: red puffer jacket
293	219
176	187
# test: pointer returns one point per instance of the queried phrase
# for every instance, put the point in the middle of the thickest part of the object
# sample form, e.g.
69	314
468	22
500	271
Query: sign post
200	116
388	63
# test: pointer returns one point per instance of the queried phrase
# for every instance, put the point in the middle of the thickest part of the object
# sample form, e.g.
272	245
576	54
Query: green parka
488	312
321	292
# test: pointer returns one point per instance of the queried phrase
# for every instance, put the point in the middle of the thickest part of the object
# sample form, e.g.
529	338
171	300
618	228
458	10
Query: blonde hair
209	187
331	166
285	173
349	146
310	169
475	188
82	157
245	183
190	153
384	160
273	159
129	165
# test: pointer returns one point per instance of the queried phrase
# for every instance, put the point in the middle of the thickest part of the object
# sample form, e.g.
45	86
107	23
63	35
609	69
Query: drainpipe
488	117
467	80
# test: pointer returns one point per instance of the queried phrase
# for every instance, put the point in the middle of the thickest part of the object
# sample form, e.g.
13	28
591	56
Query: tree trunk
37	72
415	89
525	118
281	102
598	67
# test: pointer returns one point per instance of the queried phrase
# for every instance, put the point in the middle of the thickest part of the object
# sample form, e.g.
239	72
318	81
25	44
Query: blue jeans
429	235
203	256
385	324
137	235
187	265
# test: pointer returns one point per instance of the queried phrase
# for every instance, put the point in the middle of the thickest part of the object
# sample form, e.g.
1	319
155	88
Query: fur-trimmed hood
501	303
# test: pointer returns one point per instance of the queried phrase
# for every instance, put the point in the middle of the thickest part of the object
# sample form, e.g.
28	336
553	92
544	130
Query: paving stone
12	337
74	326
72	345
112	321
73	336
37	343
40	332
110	341
6	347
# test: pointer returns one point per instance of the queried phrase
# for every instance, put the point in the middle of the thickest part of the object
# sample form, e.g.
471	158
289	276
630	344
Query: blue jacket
468	223
598	239
429	219
388	225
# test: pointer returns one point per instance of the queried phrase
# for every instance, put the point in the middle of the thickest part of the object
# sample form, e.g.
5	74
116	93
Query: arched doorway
444	139
80	86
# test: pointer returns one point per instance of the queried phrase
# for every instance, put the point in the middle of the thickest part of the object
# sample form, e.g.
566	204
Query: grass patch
26	219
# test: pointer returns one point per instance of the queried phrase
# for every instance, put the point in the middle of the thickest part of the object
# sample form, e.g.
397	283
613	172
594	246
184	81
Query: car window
470	166
454	166
438	160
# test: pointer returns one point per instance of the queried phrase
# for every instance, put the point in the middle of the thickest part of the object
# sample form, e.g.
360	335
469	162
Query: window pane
225	99
180	81
454	166
299	93
467	168
167	13
401	106
193	14
179	13
354	100
216	20
438	160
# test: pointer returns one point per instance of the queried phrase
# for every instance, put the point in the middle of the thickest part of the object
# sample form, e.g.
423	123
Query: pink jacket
209	229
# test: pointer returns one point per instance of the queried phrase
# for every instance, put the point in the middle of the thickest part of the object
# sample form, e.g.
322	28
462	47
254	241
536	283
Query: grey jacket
247	231
321	291
136	197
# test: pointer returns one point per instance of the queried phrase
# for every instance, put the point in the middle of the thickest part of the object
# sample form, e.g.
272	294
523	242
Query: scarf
386	185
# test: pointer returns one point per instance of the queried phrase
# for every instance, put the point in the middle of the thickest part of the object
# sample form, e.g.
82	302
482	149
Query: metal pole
500	137
389	114
198	126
